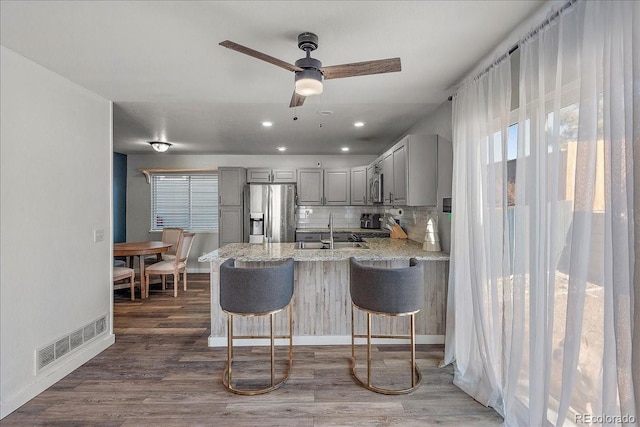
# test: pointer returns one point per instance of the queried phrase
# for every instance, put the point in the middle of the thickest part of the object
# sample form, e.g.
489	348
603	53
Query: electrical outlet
98	235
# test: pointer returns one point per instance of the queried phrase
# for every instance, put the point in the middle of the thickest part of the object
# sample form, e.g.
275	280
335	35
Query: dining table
141	249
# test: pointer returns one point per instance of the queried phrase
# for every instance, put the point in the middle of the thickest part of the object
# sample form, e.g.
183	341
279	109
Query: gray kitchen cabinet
387	176
400	174
337	237
337	187
359	185
230	183
310	187
230	225
369	177
267	175
308	237
410	171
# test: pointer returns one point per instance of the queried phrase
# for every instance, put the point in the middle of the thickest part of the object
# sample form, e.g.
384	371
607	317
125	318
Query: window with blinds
186	201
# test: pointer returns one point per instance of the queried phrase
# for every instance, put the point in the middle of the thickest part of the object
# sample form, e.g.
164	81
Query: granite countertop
380	250
342	230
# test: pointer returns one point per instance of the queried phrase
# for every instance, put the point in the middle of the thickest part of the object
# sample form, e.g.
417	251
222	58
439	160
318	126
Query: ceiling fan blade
259	55
296	100
380	66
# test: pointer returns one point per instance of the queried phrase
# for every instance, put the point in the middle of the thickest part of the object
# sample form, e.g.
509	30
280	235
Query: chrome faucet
330	230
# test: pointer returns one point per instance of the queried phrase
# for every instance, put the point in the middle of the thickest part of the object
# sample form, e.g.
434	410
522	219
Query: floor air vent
69	343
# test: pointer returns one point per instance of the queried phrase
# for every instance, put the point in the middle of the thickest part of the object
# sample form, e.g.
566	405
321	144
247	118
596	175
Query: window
185	201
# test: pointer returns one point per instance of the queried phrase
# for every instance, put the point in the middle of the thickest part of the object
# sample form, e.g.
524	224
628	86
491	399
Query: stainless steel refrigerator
270	213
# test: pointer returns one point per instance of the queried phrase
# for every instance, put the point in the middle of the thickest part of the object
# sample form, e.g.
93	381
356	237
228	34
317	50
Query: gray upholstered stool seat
256	291
388	292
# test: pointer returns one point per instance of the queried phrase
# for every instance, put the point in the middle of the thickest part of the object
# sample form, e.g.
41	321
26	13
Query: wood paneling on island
322	303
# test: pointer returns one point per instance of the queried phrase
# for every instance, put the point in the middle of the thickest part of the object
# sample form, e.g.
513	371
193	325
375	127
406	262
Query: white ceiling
160	62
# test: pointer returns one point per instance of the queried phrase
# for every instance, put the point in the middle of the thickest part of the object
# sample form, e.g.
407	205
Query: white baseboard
323	340
50	377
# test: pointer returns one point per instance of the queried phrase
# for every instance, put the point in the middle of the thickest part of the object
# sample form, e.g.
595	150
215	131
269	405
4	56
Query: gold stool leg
416	375
226	376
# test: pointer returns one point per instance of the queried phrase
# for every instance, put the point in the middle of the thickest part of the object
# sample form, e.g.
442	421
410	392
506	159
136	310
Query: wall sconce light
160	146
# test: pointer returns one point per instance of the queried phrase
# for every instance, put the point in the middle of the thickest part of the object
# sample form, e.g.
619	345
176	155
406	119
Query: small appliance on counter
368	220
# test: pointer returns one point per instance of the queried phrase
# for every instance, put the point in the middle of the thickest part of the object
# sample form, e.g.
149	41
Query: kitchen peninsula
322	304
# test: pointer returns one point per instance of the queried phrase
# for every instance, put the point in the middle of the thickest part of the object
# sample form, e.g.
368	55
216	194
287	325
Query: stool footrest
418	381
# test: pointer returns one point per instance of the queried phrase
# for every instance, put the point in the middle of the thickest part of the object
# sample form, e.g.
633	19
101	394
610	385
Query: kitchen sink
336	245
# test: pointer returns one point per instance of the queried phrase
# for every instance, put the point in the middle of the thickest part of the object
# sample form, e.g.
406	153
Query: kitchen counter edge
381	249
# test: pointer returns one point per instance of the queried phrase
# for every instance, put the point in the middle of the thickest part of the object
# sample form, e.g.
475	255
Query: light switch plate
98	235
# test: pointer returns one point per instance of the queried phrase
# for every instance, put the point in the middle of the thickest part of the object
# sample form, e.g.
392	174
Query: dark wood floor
160	372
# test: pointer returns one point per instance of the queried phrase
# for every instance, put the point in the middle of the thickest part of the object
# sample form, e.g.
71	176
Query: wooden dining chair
175	266
169	235
123	273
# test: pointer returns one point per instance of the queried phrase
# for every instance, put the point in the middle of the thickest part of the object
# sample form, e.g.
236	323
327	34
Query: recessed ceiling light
282	148
358	124
267	124
324	112
345	148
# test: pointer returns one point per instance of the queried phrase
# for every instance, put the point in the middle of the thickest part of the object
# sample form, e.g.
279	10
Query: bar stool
386	292
251	292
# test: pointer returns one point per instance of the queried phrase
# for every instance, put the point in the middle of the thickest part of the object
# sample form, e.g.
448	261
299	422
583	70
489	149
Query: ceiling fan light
160	146
308	82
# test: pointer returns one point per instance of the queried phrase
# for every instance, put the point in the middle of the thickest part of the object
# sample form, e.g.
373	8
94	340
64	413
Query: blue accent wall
119	197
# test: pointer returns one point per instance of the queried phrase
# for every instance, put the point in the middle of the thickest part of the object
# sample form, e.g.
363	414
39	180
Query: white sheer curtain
541	299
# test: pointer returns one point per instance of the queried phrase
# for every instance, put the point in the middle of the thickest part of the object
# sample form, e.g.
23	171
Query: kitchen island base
322	304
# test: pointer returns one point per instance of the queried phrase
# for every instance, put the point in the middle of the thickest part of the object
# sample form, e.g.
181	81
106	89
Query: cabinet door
261	175
229	225
337	237
230	183
400	174
359	185
387	178
370	172
310	187
337	186
283	175
308	237
422	166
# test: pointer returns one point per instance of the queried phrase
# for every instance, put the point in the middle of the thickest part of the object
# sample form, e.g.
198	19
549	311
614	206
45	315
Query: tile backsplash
343	216
413	219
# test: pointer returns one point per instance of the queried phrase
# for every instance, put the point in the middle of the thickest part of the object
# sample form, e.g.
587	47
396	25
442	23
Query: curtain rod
516	46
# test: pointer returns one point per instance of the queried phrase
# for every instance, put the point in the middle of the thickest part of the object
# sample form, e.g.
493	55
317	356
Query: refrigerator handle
268	218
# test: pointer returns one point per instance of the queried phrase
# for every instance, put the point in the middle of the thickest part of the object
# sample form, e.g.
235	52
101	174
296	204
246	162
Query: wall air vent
68	344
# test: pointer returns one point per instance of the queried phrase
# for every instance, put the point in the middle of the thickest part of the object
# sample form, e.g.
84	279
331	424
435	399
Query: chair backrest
387	290
171	235
184	247
256	290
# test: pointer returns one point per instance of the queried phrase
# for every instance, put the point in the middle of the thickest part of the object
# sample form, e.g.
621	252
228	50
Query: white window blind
185	201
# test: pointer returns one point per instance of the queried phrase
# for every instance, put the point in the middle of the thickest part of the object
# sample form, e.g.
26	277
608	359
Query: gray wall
56	152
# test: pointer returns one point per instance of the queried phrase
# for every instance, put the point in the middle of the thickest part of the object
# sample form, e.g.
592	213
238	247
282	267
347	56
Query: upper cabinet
359	185
230	183
337	186
310	187
324	187
410	172
266	175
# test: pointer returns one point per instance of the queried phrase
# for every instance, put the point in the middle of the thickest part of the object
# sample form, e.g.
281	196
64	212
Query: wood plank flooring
160	372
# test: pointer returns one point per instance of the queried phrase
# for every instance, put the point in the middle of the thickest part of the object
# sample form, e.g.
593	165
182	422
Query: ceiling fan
309	72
